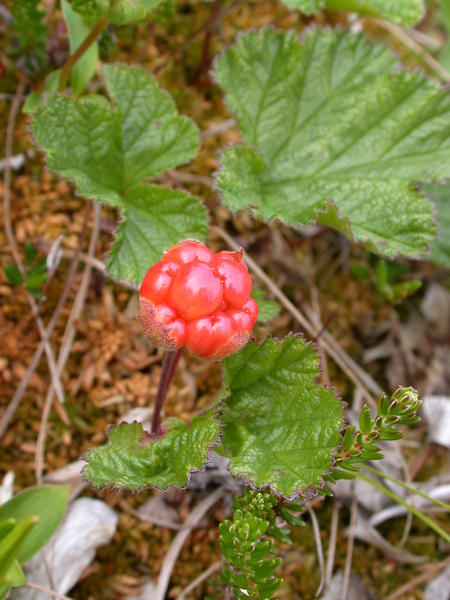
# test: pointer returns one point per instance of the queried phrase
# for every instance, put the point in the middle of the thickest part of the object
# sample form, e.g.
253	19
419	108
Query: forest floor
113	369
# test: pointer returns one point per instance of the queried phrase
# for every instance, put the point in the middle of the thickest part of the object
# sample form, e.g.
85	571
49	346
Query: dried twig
69	333
419	580
319	549
333	540
407	41
349	555
15	105
45	335
178	542
41	588
200	579
218	129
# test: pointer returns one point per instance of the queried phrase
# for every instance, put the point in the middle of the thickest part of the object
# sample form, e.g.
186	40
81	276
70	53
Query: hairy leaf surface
407	12
130	459
106	150
333	132
280	427
155	218
440	248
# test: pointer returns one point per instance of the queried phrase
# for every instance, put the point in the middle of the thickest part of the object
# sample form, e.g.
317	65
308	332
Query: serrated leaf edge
310	492
133	491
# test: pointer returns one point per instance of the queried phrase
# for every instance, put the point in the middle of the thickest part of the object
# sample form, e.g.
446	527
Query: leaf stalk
170	362
82	48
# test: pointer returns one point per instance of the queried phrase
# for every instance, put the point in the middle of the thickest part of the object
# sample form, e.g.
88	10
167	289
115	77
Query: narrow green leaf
13	542
84	68
48	503
155	218
406	12
37	276
280	427
333	132
14	576
131	460
6	526
13	274
30	253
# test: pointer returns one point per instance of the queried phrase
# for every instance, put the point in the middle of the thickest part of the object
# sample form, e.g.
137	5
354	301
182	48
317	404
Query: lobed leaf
280	427
333	132
406	12
106	151
109	150
131	459
154	219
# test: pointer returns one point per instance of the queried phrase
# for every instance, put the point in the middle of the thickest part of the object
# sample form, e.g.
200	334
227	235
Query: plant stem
85	44
169	365
406	486
409	507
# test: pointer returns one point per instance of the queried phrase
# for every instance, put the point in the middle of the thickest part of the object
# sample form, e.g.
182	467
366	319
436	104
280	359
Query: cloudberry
198	299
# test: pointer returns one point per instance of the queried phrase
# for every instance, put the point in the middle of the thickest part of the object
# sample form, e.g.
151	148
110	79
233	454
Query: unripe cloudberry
198	299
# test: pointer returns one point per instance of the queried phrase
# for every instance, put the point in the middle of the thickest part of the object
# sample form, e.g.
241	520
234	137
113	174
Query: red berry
237	283
199	299
189	251
161	324
204	335
196	291
157	281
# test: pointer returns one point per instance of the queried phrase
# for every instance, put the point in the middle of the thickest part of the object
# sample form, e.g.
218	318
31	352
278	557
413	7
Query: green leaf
33	102
83	143
406	12
13	543
47	503
333	132
268	309
13	274
84	68
155	218
280	427
106	151
30	253
440	248
14	576
131	459
121	12
6	526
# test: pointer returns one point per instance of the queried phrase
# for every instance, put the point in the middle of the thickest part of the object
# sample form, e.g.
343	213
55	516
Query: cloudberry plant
312	149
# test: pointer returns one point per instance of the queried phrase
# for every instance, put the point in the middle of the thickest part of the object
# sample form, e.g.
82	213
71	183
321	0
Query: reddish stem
169	365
